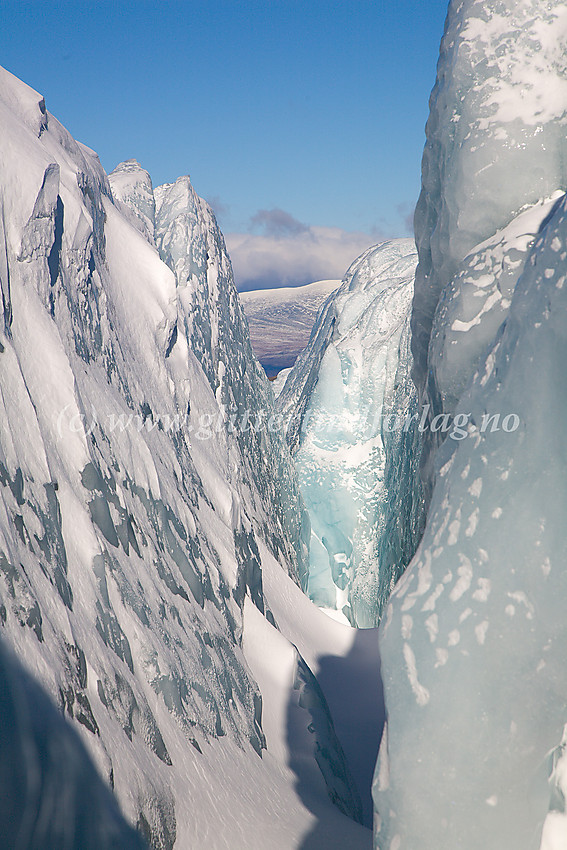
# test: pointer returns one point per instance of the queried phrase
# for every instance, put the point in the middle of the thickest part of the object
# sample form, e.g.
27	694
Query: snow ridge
135	521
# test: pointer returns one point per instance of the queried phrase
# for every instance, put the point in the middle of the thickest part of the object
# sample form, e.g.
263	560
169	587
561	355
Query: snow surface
137	526
44	763
281	321
358	477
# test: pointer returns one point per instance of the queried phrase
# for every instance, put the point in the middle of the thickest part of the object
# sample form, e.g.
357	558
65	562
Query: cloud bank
288	253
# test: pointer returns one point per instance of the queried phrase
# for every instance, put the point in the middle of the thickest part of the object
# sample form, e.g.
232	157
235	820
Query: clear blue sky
313	107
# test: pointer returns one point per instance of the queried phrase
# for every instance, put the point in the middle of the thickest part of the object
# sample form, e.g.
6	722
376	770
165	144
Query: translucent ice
341	399
495	149
473	669
473	638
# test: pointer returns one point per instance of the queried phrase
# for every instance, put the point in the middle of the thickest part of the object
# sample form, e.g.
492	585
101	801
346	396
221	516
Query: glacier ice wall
473	753
190	242
346	401
473	640
210	317
139	502
133	193
493	162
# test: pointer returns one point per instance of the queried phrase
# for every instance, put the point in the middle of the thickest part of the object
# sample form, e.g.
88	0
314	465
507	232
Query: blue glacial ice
345	400
472	639
493	165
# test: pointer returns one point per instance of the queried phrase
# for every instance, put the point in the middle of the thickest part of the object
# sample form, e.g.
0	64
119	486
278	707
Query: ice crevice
227	617
353	431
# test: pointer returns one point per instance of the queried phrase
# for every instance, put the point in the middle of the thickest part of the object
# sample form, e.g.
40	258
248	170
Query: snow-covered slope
138	514
281	321
473	639
210	316
51	795
357	465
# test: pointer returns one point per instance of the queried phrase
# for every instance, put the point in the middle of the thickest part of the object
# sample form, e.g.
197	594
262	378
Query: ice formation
352	418
493	163
472	641
141	511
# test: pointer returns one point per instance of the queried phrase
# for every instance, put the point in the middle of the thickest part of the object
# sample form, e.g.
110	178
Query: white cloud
289	253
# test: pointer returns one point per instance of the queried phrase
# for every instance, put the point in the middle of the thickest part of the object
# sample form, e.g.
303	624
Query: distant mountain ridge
281	321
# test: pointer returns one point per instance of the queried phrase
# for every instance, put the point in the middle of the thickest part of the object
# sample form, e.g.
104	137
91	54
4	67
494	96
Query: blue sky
300	120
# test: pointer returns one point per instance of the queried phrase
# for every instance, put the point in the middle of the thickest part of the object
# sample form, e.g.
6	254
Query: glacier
473	753
152	539
472	640
166	513
52	796
353	431
493	166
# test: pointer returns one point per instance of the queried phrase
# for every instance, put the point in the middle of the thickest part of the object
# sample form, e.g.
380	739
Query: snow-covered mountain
352	414
281	321
473	640
152	536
